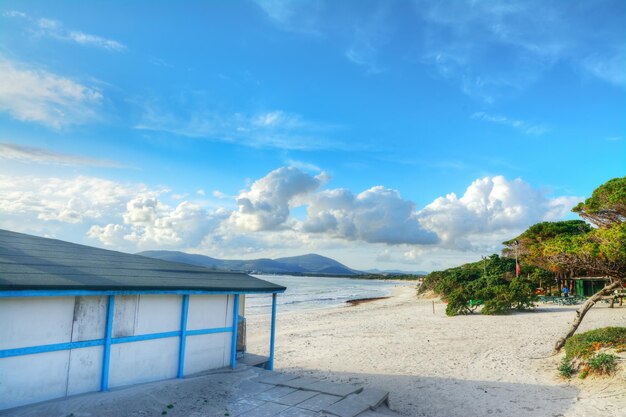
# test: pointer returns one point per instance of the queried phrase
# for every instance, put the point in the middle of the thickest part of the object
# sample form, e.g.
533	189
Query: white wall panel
124	315
89	318
207	351
33	378
207	312
149	360
35	321
158	313
85	370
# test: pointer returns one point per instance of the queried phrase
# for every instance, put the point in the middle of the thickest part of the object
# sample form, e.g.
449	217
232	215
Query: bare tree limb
580	313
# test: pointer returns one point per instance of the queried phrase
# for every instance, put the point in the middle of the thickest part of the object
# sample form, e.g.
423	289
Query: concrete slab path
243	392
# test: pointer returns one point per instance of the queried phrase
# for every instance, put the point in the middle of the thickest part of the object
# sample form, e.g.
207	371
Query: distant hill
311	263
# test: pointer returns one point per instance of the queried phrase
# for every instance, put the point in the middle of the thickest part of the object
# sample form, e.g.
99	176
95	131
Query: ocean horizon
310	293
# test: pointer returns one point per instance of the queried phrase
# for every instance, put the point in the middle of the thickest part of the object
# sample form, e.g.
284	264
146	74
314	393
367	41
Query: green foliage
532	243
584	345
499	301
566	369
573	246
491	282
603	363
607	204
583	355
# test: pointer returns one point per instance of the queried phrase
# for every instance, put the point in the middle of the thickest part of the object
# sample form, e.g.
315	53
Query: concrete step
355	404
373	396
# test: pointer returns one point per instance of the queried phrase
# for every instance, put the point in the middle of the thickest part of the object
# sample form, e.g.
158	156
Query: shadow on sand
449	397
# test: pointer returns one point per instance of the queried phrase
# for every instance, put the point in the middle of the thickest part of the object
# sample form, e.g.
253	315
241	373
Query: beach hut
588	286
75	319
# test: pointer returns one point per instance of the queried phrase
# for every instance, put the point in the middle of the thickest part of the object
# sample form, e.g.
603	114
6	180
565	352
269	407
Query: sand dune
441	366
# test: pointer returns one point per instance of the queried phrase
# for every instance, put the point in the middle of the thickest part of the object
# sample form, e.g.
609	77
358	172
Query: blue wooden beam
106	351
209	331
270	364
30	350
233	346
183	335
74	292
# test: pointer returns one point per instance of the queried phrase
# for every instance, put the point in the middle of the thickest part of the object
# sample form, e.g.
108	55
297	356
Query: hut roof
35	263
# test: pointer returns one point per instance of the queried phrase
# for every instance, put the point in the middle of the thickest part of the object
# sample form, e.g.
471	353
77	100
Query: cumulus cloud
13	151
377	215
36	95
491	207
135	217
69	200
266	205
150	223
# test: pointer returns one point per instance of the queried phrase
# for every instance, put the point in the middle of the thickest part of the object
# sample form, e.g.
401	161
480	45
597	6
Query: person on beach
565	291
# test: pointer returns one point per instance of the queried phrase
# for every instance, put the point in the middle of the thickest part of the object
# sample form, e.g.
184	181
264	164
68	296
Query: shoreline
357	301
434	365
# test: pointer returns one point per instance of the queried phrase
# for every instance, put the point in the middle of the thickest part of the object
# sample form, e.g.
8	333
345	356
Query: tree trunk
580	313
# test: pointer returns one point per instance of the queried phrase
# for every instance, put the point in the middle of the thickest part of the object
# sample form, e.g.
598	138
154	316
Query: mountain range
303	264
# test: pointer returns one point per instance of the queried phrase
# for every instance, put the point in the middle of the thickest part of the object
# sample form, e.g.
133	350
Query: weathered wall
26	322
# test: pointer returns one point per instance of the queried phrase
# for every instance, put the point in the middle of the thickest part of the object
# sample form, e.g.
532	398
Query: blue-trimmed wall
51	346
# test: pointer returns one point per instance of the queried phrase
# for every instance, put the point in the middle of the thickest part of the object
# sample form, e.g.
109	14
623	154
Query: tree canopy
531	244
575	246
607	204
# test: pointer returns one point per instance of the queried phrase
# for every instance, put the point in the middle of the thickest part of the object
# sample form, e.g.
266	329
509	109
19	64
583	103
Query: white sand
435	365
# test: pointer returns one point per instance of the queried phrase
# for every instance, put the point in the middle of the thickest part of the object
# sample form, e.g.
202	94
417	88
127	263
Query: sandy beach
435	365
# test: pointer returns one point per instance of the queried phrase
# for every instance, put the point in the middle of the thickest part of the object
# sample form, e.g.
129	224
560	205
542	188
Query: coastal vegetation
574	248
490	283
595	246
593	352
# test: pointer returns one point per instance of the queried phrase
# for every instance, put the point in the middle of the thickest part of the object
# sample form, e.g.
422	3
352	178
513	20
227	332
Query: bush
566	369
491	282
584	345
499	302
603	363
583	349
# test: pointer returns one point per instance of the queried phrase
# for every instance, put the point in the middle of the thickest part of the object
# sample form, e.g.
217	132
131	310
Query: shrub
584	345
491	282
566	369
499	302
603	363
584	349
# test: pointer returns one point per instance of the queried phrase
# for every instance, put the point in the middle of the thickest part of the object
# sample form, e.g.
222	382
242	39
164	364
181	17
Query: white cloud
491	209
494	49
69	200
305	166
377	215
36	95
93	40
55	29
301	16
270	129
14	13
266	205
13	151
609	67
534	129
135	217
150	223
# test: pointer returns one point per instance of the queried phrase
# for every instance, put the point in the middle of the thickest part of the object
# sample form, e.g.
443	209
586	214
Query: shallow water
307	293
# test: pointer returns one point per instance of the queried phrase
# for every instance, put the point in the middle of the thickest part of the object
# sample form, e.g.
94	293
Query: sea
309	293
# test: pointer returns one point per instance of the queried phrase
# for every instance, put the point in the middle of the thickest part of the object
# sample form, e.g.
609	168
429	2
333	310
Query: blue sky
403	134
